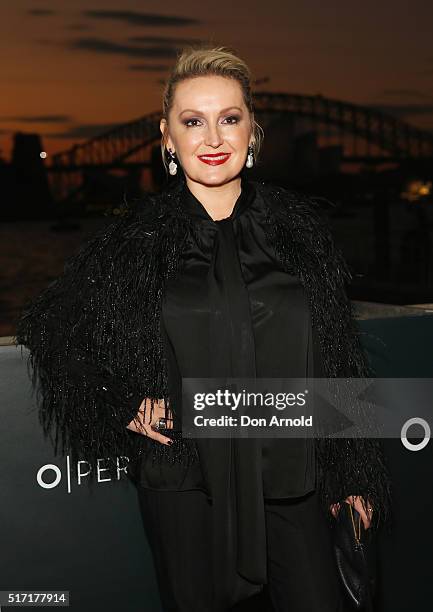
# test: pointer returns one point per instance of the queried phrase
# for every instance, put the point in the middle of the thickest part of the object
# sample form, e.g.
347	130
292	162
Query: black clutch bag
353	549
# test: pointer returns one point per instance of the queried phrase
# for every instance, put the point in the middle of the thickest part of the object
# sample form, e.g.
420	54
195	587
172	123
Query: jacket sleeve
83	357
302	235
356	465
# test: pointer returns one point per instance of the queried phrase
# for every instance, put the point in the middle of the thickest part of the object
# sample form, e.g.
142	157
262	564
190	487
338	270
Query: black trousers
301	569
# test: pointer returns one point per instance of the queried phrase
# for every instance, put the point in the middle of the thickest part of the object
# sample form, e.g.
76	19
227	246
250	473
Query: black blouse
233	311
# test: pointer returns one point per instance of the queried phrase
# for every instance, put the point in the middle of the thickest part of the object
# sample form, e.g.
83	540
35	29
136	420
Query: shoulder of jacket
141	217
284	199
145	207
305	217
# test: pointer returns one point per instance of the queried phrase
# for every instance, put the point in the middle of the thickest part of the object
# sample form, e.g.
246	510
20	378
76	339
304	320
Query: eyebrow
191	110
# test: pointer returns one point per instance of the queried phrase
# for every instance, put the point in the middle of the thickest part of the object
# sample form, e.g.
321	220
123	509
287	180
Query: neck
218	200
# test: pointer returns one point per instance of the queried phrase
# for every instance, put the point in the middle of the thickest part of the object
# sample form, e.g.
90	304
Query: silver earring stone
172	166
250	158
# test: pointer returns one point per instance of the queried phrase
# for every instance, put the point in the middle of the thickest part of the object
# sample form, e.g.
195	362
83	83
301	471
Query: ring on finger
159	423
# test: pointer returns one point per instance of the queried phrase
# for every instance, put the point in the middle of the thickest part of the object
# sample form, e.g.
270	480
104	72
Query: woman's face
209	115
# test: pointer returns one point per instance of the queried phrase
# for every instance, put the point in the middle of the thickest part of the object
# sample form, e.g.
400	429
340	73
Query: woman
216	276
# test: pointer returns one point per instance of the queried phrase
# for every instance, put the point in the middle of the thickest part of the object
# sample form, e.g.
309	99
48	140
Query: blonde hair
194	61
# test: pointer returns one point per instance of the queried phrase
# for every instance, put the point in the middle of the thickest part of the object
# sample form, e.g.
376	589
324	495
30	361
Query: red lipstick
214	159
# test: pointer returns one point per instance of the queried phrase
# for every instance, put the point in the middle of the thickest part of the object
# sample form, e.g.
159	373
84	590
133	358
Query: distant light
42	154
416	189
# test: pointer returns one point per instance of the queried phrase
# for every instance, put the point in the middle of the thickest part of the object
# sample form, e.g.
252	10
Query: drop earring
172	166
250	158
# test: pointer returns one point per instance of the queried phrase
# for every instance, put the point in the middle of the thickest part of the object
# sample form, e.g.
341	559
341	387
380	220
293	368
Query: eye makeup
237	118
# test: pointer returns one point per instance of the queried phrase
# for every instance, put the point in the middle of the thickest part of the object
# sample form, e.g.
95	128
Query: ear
164	134
253	123
163	126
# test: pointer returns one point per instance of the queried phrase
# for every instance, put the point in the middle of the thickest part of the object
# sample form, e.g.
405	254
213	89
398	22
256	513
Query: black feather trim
300	232
96	348
94	345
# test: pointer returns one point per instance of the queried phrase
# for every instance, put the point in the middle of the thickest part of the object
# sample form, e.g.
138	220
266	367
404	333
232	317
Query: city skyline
74	70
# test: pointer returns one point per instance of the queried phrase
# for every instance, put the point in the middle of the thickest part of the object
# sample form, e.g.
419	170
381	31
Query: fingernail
170	442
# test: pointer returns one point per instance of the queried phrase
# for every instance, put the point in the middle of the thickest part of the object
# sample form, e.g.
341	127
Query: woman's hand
358	503
144	426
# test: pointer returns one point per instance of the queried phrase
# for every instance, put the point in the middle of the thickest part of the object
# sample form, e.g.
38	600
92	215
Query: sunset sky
72	69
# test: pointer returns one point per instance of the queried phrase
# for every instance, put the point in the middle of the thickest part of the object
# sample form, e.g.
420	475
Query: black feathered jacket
96	349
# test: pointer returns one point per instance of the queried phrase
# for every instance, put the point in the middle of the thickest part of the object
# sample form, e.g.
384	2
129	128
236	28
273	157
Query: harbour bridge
365	134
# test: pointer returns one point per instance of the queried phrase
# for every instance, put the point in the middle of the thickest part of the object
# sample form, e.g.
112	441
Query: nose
213	137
